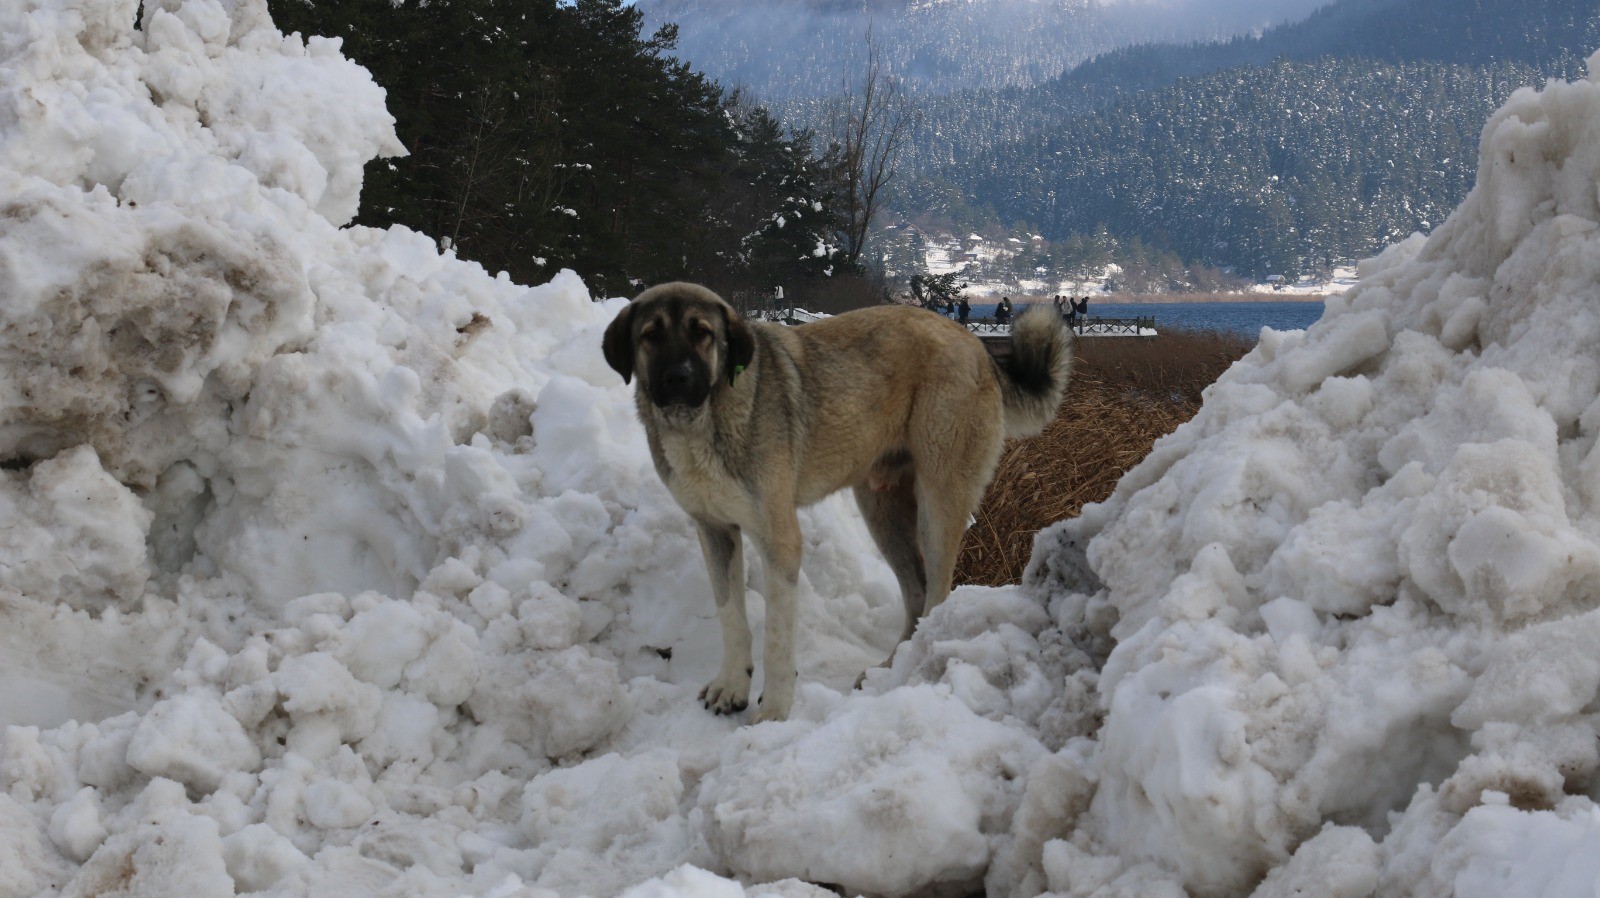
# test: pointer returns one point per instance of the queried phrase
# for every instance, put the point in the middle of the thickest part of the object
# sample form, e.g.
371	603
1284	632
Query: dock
1092	327
996	337
985	328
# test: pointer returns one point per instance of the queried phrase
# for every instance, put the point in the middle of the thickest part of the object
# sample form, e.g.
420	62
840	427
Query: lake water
1247	318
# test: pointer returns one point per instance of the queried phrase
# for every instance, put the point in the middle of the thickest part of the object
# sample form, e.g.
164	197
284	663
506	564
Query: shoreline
1168	298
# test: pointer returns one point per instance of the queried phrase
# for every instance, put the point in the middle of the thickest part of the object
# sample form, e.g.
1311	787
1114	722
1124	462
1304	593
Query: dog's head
680	339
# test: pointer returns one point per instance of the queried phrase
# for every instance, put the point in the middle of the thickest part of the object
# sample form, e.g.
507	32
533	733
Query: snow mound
1354	600
333	564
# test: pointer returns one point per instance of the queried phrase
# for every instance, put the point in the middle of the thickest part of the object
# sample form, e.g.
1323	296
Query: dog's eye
703	333
651	335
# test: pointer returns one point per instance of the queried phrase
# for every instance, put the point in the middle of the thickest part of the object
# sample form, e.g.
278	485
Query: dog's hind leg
891	516
723	548
947	497
941	522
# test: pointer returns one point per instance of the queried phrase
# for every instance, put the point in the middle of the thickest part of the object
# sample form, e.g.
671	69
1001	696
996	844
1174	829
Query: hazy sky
1233	10
1262	9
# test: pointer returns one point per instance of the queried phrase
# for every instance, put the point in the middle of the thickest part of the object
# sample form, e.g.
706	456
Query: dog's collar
737	370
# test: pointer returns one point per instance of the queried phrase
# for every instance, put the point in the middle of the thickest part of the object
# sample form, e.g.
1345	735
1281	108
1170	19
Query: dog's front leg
723	547
781	551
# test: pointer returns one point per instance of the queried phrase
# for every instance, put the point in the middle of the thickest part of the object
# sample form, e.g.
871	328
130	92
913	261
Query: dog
748	421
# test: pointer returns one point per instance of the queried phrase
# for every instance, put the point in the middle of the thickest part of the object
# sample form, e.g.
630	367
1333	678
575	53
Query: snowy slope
332	565
1356	600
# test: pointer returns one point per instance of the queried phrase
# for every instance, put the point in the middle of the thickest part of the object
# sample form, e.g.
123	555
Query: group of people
1002	311
958	309
1075	309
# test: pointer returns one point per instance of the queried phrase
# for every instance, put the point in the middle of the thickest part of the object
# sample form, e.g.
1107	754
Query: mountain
1286	168
1312	143
1276	151
1544	34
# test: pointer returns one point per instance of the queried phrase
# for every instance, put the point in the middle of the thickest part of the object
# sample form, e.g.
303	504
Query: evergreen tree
545	135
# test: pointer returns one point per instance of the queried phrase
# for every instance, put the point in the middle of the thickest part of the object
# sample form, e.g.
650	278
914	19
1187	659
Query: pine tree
546	134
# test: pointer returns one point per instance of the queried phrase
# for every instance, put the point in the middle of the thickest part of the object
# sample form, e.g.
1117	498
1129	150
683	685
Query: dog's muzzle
679	385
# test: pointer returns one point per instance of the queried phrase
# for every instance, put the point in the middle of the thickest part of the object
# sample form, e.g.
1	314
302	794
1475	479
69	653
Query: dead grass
1273	296
1106	305
1125	393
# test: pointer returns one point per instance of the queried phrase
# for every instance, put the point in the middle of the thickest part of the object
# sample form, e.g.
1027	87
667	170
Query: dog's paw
727	694
766	714
865	674
773	707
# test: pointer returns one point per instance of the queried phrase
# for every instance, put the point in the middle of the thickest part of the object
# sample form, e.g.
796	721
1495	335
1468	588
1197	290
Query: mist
1219	16
787	50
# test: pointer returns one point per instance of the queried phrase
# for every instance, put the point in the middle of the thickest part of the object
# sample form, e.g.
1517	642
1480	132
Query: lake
1247	318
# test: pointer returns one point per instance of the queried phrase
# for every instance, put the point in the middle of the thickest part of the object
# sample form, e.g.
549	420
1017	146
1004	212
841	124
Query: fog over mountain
792	49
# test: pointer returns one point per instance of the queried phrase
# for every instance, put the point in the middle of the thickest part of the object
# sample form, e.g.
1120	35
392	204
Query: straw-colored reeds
1124	394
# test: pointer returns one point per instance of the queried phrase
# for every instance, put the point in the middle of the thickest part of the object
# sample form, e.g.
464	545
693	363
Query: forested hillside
1312	142
1285	169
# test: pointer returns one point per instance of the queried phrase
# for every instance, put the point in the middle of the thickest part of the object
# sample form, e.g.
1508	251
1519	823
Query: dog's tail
1034	378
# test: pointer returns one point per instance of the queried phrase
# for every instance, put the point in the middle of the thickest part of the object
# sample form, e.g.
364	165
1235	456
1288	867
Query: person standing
1002	312
964	309
1081	307
1071	306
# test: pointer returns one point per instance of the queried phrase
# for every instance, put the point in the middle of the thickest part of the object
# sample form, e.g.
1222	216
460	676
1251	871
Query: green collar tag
737	370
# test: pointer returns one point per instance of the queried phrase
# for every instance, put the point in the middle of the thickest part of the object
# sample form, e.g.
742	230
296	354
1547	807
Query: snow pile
1356	601
330	564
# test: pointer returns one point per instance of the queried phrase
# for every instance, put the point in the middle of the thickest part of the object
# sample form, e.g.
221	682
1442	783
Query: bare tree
868	125
505	170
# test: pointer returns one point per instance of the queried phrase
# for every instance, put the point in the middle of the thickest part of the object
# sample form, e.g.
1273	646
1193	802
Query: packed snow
331	564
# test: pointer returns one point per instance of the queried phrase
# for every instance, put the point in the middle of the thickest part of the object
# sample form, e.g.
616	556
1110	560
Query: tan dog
749	421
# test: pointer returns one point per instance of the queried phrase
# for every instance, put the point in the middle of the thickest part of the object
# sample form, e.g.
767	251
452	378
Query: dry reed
1112	300
1125	394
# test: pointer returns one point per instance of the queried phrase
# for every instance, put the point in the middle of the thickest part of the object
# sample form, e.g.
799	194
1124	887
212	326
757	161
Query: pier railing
1141	326
988	328
1118	326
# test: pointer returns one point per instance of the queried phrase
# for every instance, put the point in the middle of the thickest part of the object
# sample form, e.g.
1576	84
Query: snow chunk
623	811
27	865
79	535
556	703
76	827
893	795
191	739
326	703
173	853
258	857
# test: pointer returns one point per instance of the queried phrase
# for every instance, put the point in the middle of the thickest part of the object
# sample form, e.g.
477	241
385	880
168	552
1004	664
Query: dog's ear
741	342
618	344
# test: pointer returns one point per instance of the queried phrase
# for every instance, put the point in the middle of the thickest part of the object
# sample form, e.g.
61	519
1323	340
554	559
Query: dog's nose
678	378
